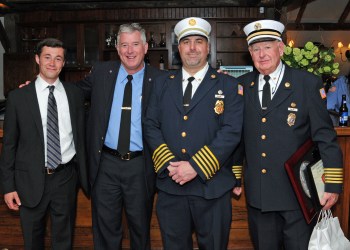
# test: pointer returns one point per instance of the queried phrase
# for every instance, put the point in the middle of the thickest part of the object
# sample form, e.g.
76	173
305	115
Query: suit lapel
33	104
146	88
109	82
253	91
175	86
284	90
72	111
209	81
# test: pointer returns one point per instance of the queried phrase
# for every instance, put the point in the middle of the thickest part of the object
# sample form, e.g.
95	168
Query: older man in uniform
193	124
283	108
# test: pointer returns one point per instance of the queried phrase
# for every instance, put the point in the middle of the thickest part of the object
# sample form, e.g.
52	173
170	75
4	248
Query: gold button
263	119
185	117
183	134
263	155
183	151
263	171
263	137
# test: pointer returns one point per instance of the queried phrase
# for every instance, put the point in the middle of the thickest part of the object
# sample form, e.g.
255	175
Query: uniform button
185	117
263	137
263	119
102	138
183	151
263	171
263	155
183	134
99	151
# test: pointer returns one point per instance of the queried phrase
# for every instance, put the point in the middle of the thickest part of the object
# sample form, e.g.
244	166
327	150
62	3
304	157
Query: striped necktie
54	157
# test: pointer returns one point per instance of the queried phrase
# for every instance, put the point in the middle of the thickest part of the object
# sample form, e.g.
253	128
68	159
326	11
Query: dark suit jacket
99	88
204	137
23	157
297	112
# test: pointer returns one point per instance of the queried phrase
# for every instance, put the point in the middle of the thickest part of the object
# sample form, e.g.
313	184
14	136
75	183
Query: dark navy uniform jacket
205	136
296	113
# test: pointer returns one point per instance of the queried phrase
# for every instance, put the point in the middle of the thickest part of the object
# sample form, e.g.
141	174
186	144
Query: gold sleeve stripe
204	172
237	170
165	160
333	175
158	150
161	155
209	159
162	160
205	162
212	156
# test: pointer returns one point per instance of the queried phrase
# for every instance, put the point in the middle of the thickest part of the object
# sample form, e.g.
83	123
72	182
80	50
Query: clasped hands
181	172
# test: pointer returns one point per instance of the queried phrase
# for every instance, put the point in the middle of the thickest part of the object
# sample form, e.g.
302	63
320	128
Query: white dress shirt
64	121
198	78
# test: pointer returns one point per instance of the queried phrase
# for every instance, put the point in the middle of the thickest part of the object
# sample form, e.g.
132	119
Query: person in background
334	95
121	168
284	107
43	155
193	124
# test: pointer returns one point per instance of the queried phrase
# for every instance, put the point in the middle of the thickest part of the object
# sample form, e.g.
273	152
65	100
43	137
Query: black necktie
125	120
266	96
53	151
188	94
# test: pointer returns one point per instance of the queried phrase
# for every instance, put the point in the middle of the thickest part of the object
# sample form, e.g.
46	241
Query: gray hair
130	28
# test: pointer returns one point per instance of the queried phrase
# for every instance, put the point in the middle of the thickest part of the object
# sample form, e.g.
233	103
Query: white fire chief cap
263	30
192	26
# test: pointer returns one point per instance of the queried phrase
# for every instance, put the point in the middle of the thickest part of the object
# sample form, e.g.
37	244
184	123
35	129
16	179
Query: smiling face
194	51
51	62
266	55
131	50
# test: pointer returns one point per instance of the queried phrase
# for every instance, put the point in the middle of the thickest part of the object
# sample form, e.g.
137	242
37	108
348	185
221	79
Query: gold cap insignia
291	119
171	76
257	26
192	22
287	85
219	107
293	104
213	76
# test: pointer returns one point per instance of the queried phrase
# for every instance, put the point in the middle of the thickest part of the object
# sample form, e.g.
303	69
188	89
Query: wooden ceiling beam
318	26
345	14
301	11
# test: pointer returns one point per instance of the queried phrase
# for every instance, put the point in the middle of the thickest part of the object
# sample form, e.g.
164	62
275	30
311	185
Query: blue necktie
54	157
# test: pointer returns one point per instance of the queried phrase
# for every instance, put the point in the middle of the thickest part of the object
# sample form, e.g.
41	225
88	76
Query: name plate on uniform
305	171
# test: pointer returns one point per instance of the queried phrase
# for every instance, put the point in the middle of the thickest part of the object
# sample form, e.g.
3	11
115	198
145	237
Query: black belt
59	167
128	156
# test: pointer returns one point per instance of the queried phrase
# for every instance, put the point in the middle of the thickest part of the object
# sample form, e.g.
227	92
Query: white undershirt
64	121
275	80
198	78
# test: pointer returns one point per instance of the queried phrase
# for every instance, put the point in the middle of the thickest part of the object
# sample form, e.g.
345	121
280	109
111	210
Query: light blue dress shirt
334	96
114	119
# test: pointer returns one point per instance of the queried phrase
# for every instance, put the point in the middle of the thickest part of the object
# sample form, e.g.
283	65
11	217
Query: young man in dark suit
284	107
43	154
121	169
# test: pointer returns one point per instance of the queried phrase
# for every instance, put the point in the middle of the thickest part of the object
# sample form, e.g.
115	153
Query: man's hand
24	84
328	200
237	191
12	200
181	172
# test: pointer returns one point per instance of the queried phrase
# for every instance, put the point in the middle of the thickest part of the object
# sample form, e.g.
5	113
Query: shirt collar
136	76
199	76
42	84
274	75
